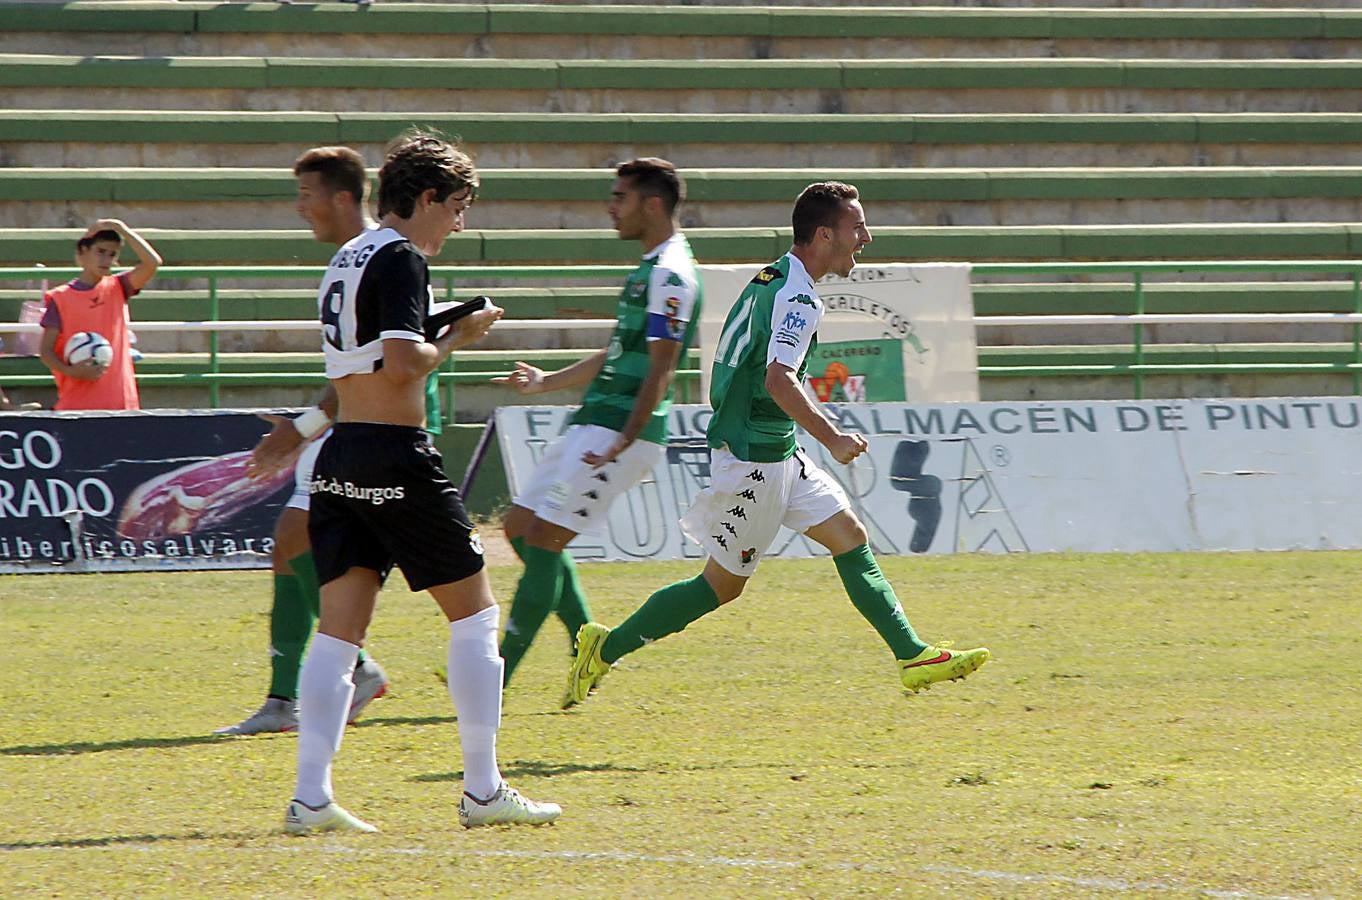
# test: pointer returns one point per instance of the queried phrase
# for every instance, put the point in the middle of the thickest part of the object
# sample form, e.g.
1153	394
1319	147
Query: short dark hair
104	234
340	168
655	177
819	205
418	160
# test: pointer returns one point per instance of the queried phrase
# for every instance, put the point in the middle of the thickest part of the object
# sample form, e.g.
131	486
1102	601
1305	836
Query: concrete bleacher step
998	299
690	31
1088	372
26	246
87	137
1038	85
575	198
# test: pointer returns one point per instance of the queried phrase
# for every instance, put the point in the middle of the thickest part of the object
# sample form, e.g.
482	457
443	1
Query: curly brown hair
418	160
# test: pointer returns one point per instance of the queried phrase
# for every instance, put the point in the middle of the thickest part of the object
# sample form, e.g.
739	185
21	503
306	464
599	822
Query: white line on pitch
995	875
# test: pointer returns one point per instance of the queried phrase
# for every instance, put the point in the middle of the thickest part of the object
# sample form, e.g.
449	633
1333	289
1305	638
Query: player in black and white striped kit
380	496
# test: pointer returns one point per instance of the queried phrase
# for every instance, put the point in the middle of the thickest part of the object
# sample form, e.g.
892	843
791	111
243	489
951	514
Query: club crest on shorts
747	555
475	542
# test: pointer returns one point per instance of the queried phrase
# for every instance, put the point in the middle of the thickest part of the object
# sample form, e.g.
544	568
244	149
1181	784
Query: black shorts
380	497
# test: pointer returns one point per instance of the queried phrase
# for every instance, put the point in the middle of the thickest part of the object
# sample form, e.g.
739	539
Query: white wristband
312	422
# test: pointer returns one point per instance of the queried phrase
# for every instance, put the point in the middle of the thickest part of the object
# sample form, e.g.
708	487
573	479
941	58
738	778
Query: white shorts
569	493
302	474
738	516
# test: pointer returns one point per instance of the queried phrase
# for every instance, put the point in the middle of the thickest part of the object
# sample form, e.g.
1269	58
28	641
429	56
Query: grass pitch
1154	724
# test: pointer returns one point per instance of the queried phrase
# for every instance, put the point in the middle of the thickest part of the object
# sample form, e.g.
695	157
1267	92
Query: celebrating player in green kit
619	433
759	477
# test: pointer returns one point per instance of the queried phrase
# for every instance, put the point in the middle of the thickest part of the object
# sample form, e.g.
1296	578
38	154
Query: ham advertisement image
120	491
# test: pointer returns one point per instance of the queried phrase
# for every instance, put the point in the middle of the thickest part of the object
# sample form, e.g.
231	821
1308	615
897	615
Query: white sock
475	687
325	688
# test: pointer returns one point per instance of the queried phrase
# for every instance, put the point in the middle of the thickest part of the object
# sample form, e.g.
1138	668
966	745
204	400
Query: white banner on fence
1154	475
928	308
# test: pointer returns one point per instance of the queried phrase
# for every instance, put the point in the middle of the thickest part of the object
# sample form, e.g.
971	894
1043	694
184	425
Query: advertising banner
857	371
1153	475
926	311
134	490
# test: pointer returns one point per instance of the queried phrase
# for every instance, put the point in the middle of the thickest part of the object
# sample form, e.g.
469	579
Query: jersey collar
657	251
797	270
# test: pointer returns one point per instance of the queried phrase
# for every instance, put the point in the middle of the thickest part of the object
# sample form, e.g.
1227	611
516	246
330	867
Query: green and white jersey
774	320
660	302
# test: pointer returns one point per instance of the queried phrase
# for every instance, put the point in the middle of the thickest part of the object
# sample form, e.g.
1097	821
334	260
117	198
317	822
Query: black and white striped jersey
376	288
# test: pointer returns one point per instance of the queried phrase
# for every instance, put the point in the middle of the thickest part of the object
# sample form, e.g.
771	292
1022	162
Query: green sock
535	597
668	611
292	619
873	598
572	608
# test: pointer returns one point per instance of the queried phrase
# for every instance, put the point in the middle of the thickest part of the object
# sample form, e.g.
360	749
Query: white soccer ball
85	345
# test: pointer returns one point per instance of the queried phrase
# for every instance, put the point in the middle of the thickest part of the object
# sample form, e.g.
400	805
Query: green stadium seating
293	129
25	246
1294	59
680	20
127	185
33	70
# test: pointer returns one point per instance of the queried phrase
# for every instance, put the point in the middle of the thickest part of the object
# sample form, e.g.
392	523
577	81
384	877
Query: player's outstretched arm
796	402
526	379
278	449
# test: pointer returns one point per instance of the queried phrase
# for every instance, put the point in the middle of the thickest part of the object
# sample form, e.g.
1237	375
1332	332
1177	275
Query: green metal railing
1138	368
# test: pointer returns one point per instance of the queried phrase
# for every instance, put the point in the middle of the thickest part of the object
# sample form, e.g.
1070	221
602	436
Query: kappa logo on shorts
729	528
591	494
748	495
601	476
756	476
747	555
583	513
738	511
720	540
475	542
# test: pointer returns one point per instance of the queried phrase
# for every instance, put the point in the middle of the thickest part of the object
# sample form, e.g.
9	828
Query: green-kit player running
620	432
759	477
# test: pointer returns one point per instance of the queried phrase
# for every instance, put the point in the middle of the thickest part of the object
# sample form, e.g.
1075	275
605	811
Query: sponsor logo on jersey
794	320
767	275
